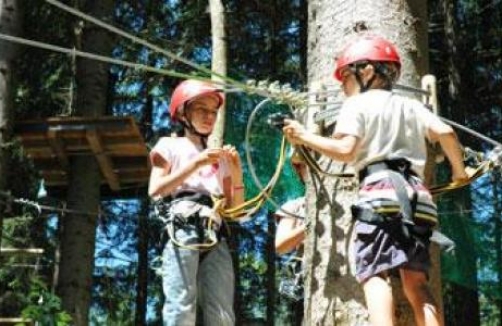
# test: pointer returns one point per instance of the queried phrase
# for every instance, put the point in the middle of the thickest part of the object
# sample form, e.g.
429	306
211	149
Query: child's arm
289	235
234	185
163	182
447	138
342	148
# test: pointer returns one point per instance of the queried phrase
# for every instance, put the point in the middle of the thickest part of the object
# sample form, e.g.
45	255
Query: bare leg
378	293
423	304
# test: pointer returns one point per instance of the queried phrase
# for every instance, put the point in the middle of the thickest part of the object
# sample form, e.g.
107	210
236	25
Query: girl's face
349	83
202	113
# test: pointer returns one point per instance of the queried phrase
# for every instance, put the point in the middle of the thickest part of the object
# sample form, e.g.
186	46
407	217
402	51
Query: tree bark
79	230
270	275
142	283
333	297
218	63
10	23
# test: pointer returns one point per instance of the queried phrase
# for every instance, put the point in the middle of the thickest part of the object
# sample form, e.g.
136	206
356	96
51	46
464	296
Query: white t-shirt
294	206
389	126
178	152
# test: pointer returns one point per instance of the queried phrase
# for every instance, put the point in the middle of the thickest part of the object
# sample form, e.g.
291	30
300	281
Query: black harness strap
201	223
399	172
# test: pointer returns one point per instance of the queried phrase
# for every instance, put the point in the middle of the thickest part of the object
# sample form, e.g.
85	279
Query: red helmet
189	90
368	48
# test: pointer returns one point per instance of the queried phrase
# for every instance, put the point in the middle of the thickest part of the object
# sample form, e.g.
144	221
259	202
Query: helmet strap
187	124
380	70
383	71
357	72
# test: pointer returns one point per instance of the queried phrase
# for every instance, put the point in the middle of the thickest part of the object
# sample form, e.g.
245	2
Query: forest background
266	42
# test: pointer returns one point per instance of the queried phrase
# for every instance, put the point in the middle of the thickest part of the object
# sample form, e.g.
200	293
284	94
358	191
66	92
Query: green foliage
44	78
465	57
23	177
44	307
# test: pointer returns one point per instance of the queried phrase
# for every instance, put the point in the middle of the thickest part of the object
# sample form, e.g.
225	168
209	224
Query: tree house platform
115	142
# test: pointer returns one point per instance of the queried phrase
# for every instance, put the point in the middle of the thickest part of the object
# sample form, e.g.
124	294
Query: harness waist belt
192	196
399	165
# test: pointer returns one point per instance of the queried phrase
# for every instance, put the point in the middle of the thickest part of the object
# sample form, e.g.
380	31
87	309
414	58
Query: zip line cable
92	56
176	57
151	46
138	66
40	207
172	73
473	132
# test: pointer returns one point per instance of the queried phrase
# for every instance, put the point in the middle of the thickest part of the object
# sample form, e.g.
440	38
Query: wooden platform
115	142
4	321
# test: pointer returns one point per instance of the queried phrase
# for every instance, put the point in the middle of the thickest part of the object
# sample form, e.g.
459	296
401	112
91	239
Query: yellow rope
474	174
311	162
251	206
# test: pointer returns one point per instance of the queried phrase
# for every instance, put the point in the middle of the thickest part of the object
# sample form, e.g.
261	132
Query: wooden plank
104	161
116	142
21	251
58	148
13	321
129	176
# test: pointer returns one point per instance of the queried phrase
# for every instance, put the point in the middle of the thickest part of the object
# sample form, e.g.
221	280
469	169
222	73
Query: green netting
470	217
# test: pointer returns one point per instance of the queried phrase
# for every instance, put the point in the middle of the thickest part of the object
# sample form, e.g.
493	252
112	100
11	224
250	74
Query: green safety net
470	217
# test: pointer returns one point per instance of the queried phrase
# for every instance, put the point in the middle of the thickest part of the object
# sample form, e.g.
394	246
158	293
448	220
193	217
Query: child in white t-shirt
383	136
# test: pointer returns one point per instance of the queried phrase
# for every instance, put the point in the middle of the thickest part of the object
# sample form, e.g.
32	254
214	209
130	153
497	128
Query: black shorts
378	249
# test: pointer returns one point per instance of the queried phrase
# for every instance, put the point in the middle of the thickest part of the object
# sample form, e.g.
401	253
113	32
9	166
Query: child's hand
294	131
234	161
470	171
459	177
209	156
232	155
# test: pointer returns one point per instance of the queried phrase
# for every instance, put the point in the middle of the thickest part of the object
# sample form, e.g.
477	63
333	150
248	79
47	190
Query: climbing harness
190	211
214	211
190	208
408	217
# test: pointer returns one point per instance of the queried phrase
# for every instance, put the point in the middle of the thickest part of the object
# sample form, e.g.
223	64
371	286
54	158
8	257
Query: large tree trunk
10	23
333	297
79	230
142	273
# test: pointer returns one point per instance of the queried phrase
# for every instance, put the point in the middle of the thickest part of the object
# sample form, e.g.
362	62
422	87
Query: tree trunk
10	23
142	283
497	222
333	297
79	230
219	63
303	40
270	275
